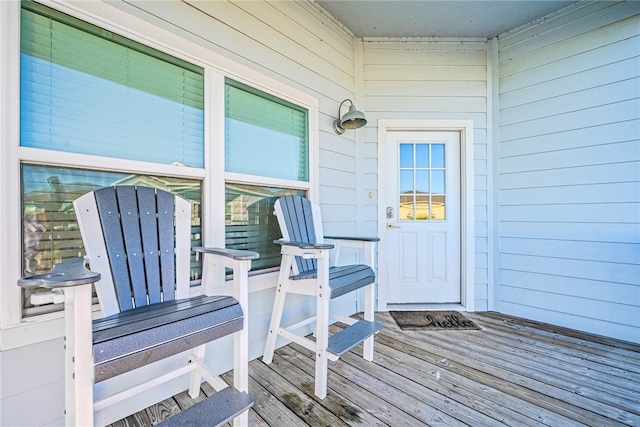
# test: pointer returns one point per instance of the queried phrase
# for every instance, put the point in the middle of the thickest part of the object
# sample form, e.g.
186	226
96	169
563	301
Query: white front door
422	217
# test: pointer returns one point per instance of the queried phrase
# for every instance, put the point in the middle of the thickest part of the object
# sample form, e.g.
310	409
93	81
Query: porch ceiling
432	18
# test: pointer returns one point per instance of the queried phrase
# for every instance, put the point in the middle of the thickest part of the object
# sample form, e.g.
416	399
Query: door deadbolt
389	212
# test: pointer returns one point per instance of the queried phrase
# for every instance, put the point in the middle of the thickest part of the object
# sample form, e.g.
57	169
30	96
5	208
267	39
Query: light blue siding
564	159
289	42
568	171
426	79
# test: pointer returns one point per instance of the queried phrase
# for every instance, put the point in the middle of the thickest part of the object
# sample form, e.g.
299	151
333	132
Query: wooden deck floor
511	372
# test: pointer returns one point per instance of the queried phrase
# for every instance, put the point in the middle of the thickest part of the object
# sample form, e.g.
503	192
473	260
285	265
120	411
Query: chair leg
78	356
241	338
369	300
322	328
278	308
322	342
274	325
196	378
241	370
367	353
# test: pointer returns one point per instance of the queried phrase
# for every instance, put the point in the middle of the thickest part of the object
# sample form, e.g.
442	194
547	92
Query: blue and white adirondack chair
306	270
138	246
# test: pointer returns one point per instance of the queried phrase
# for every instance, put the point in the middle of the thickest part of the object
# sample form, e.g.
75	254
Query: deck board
571	359
352	393
335	403
512	372
526	374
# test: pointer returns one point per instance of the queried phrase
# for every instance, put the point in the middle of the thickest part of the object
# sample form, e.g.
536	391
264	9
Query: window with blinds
87	90
264	137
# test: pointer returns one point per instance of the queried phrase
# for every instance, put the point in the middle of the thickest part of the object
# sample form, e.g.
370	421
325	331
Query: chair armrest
216	259
69	273
361	239
304	245
366	244
229	253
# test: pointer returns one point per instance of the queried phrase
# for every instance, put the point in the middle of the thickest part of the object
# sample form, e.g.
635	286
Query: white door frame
467	205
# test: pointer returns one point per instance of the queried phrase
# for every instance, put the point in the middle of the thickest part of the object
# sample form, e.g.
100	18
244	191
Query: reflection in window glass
422	156
437	182
437	207
50	229
406	155
405	210
421	181
250	223
422	207
437	155
406	181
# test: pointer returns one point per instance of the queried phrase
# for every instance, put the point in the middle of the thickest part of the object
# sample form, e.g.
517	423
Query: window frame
266	181
16	331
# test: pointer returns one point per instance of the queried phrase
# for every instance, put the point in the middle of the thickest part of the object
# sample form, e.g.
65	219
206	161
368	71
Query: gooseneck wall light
352	119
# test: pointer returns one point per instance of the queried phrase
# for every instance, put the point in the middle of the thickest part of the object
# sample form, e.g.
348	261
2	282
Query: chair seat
343	279
134	338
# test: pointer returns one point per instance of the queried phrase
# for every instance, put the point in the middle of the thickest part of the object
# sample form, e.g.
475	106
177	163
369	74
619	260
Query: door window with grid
422	182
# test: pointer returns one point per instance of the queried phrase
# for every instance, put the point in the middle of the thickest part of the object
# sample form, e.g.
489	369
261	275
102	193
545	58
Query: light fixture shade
352	119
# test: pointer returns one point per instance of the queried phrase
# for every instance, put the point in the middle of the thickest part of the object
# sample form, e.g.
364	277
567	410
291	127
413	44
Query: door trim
467	202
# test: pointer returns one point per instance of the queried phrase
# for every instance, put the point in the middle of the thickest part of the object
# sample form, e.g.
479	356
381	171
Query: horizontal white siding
431	79
290	42
568	170
32	374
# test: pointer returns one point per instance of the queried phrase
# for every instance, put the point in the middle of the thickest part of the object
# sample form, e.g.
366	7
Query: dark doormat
432	320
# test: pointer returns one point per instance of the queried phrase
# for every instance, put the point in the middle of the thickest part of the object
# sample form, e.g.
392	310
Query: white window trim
15	331
41	156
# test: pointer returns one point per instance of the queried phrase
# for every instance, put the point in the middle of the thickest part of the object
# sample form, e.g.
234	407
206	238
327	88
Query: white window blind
87	90
265	135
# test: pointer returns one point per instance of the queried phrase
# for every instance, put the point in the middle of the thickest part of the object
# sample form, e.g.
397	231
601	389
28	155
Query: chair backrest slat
166	207
130	218
139	234
107	203
149	233
299	226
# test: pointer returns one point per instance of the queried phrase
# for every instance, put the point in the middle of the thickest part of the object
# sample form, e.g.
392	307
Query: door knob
389	225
